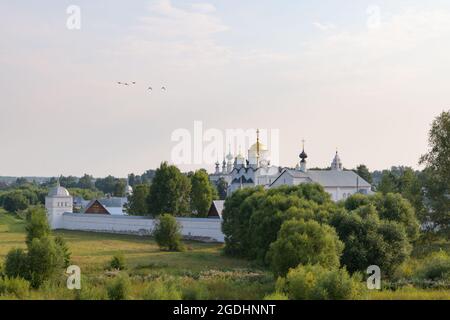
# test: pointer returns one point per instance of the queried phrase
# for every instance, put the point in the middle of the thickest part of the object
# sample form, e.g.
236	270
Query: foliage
64	250
315	282
169	191
118	262
16	264
276	296
14	201
161	290
137	202
301	242
202	193
119	288
37	224
222	188
45	259
253	217
167	233
16	286
371	241
364	173
436	268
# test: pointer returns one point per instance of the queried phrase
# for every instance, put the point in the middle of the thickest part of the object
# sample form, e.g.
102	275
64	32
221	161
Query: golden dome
254	147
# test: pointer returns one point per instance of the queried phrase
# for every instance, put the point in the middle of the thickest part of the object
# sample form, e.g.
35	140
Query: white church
256	170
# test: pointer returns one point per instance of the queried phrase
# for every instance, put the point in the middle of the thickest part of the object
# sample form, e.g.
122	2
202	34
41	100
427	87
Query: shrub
16	286
45	260
301	242
161	290
63	250
436	268
15	201
118	262
314	282
167	233
193	290
119	288
371	241
276	296
16	264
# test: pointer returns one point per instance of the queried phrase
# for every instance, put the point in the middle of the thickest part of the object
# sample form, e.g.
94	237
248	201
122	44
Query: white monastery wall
203	229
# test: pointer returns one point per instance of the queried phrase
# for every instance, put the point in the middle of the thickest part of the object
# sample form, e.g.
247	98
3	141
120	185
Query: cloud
324	27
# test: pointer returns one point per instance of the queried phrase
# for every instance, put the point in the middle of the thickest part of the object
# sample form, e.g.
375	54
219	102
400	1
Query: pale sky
329	71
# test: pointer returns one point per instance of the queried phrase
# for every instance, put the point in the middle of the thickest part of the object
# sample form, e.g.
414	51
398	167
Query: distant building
257	171
216	209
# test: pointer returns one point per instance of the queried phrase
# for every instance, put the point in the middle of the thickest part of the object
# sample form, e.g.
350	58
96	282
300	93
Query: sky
365	78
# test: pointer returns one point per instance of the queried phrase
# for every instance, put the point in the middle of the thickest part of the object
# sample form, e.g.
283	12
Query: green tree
86	182
167	233
301	242
437	182
137	202
16	264
222	188
119	188
202	193
371	241
169	191
15	201
364	173
37	225
107	185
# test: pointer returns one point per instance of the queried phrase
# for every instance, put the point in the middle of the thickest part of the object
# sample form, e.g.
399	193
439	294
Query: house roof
218	205
329	178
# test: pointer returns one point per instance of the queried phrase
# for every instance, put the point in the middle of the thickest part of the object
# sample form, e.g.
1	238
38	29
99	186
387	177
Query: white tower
57	203
337	163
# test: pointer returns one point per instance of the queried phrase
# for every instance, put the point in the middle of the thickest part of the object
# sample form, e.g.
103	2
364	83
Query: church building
257	171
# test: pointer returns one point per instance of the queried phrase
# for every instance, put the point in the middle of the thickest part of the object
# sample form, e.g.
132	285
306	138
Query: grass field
223	277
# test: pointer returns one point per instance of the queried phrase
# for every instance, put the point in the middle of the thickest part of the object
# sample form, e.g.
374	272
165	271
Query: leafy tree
86	182
45	259
388	182
371	241
119	188
63	250
107	185
169	191
137	202
364	173
301	242
437	183
167	233
68	182
202	193
37	225
16	264
15	201
222	188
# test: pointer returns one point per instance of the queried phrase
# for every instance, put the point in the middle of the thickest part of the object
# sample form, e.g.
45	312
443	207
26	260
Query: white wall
194	228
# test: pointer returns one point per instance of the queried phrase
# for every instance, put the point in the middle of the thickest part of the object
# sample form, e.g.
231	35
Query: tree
169	191
388	182
137	202
86	182
37	225
107	185
119	188
167	233
202	193
222	188
437	182
371	241
364	173
16	264
15	201
301	242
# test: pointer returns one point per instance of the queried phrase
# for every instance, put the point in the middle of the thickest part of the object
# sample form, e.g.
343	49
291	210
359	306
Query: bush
301	242
15	201
16	264
276	296
436	268
119	288
167	233
63	250
314	282
45	260
16	286
118	262
161	290
193	290
371	241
